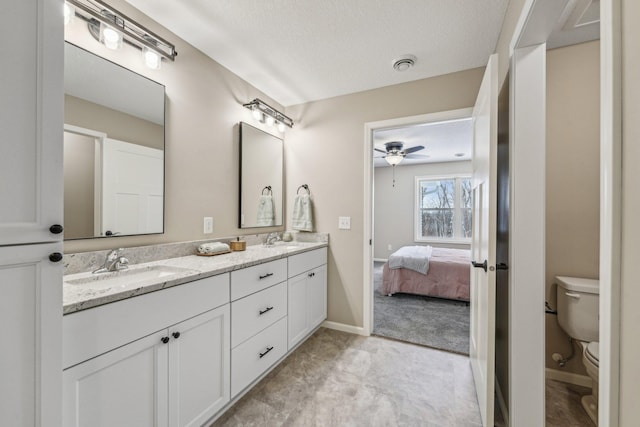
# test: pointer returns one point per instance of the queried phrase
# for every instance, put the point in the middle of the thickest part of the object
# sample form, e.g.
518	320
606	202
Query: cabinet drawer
251	314
88	333
253	279
307	261
247	364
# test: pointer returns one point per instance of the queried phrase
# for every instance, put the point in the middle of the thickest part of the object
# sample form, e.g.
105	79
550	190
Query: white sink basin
132	277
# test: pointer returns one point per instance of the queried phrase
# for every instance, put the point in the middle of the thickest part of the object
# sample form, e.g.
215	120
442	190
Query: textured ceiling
441	141
303	50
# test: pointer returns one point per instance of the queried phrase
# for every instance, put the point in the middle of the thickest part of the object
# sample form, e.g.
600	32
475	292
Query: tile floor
563	407
340	379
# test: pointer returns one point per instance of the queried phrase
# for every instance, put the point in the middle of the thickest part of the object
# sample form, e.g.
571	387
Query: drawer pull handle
266	275
176	335
164	340
266	351
311	274
265	310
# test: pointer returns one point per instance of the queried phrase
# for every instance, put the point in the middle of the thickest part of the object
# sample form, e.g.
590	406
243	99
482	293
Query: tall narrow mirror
261	178
113	149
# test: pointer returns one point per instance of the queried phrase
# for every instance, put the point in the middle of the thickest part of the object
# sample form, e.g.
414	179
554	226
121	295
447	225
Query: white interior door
132	188
483	247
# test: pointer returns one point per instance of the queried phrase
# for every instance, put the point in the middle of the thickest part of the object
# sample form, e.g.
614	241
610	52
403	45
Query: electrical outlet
389	247
344	223
208	225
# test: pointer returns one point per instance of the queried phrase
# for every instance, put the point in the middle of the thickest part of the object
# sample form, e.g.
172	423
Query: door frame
368	241
533	21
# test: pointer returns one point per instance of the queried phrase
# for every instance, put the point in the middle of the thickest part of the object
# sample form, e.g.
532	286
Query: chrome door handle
482	265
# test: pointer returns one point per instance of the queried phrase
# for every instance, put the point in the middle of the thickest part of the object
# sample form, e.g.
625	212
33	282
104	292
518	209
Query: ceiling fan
394	153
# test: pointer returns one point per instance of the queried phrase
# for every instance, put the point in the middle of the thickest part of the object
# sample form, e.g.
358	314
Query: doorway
392	219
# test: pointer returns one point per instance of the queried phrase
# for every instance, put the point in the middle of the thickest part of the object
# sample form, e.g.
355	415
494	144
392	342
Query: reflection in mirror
261	178
113	149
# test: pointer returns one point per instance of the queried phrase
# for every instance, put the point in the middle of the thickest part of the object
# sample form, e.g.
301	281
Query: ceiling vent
404	62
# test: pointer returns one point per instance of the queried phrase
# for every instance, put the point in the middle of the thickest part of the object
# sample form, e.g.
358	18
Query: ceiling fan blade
413	149
380	151
417	156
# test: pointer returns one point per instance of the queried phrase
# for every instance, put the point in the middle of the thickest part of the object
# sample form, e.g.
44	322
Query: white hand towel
266	211
213	247
302	218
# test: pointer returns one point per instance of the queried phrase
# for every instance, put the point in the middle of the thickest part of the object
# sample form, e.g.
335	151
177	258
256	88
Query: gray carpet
433	322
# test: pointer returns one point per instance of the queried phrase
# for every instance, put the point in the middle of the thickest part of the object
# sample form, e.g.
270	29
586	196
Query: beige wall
116	124
572	178
325	149
630	297
79	182
203	108
394	207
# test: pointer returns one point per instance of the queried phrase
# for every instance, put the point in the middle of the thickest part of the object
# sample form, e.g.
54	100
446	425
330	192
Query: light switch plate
208	225
344	223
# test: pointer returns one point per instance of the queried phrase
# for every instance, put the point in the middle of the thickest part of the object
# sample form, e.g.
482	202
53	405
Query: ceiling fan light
393	159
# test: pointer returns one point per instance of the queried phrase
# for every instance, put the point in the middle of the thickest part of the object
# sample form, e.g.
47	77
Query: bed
447	276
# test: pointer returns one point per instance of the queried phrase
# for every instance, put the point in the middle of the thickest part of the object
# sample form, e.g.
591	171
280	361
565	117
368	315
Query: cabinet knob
176	335
164	340
56	229
55	257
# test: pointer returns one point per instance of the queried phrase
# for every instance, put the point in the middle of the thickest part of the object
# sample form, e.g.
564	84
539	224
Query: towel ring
306	187
268	189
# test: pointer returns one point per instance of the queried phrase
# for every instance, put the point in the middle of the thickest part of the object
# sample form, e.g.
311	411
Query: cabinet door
31	118
124	387
297	309
317	296
31	316
199	367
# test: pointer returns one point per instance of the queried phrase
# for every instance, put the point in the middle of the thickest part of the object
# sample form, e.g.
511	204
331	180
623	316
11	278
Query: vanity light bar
136	34
269	111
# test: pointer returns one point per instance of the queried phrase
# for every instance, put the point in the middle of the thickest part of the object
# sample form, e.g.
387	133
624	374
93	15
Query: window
443	209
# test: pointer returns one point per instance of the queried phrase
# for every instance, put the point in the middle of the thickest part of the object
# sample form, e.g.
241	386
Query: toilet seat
592	353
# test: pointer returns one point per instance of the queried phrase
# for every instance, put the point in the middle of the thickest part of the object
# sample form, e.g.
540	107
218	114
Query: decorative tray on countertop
217	253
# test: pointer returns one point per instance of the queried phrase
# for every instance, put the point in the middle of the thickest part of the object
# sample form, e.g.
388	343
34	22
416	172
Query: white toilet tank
578	307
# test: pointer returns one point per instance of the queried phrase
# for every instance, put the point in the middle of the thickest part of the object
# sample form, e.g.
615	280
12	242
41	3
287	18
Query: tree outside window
443	209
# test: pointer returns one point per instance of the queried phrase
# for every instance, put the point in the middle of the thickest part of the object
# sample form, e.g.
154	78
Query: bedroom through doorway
422	232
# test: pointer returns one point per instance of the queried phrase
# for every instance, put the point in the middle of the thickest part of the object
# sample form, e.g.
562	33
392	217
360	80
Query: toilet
578	305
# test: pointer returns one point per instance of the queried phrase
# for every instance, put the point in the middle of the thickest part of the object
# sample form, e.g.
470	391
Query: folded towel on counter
302	218
414	258
213	248
266	211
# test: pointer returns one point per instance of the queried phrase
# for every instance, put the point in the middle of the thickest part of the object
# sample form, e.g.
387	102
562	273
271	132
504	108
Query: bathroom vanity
179	349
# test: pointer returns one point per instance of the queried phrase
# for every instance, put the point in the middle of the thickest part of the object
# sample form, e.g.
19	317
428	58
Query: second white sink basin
131	277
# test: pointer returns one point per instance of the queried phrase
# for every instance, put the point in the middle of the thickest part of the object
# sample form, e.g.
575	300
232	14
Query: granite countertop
81	296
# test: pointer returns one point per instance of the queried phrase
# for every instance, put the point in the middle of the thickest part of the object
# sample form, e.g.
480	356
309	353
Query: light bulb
280	127
151	58
111	38
257	114
270	121
393	159
69	13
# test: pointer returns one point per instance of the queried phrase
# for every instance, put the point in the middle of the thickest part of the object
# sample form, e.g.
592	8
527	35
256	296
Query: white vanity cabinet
178	375
307	294
258	321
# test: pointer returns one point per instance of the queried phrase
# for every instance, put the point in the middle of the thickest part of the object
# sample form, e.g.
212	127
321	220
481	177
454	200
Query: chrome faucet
272	238
113	262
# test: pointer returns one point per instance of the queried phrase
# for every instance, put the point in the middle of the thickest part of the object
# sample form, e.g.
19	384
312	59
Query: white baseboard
568	377
502	404
357	330
380	260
